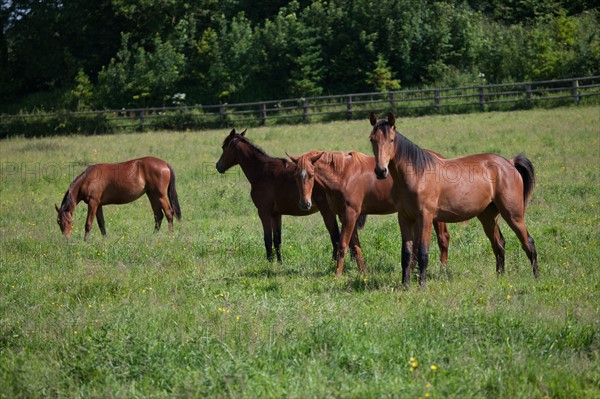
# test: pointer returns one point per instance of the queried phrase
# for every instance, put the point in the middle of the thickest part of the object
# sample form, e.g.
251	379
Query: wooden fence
347	106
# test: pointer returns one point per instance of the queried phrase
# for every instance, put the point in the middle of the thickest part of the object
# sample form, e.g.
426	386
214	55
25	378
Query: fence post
141	119
576	91
392	102
349	107
305	110
222	112
481	99
436	98
101	126
263	114
528	94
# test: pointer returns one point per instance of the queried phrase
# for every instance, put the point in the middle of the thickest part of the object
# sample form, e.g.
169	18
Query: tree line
112	54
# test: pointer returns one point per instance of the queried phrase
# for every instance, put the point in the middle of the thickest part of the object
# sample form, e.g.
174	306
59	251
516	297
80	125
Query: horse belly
378	205
460	206
122	193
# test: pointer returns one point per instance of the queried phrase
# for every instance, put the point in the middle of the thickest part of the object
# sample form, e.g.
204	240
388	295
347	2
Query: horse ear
243	133
293	158
391	119
56	207
232	132
373	119
316	157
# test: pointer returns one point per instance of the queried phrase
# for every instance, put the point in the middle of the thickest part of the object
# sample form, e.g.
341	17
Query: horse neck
74	191
406	170
327	175
253	162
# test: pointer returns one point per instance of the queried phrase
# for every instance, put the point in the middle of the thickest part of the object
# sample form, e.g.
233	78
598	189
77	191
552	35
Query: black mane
252	145
67	202
408	151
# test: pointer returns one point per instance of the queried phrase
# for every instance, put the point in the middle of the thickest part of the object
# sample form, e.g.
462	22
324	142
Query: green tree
138	77
381	78
224	59
82	93
289	63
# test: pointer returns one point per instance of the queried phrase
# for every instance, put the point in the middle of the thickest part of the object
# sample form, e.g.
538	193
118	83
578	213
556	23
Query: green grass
201	313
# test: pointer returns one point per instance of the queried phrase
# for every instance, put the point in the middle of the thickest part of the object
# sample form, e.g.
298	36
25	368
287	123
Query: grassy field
201	313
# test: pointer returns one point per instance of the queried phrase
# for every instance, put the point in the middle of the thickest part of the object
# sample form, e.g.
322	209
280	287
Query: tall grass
201	313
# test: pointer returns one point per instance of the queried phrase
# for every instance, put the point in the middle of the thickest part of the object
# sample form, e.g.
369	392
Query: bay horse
121	183
352	189
429	188
273	190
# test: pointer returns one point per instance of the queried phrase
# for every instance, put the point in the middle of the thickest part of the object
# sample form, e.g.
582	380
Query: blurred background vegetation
110	54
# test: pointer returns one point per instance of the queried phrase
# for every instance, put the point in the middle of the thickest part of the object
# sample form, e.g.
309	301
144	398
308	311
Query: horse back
124	182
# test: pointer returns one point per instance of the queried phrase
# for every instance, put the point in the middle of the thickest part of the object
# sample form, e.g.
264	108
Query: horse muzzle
381	173
219	168
305	205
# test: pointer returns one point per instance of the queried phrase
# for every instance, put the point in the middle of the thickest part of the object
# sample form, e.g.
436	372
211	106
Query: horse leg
407	233
89	222
267	234
277	236
157	210
352	245
443	240
357	251
489	221
332	227
517	224
166	207
423	231
348	223
100	219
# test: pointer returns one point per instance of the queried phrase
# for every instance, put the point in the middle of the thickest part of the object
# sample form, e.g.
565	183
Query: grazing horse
273	190
121	183
429	188
352	189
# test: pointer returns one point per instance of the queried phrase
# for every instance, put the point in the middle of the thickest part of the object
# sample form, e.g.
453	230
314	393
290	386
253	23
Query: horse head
382	139
305	176
229	156
64	220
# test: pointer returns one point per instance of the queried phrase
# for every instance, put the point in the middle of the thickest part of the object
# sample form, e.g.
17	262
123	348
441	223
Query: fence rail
304	110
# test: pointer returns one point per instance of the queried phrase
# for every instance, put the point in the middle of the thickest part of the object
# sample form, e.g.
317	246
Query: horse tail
172	193
525	168
361	221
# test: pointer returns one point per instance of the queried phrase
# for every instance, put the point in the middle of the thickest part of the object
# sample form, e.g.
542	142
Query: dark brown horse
352	189
121	183
429	188
273	191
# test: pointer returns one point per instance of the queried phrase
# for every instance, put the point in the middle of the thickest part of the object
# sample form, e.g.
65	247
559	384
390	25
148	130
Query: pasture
201	313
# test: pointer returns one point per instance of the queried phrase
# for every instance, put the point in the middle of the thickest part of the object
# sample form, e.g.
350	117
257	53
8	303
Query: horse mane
333	161
67	201
336	162
408	151
255	147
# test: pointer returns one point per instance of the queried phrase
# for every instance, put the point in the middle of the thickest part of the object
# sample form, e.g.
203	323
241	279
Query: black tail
362	220
172	193
525	168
